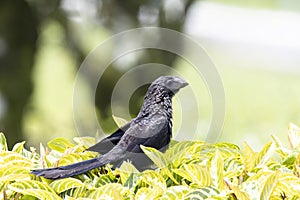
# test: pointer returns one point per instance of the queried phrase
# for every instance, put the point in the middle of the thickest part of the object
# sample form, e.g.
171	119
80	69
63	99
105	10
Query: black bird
152	128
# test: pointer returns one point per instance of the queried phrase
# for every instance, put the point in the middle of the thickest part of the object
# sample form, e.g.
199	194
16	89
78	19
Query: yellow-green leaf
3	143
5	170
65	184
37	193
18	148
252	188
60	144
158	158
264	154
269	186
294	136
175	192
202	193
15	177
178	149
85	141
31	184
148	193
153	179
196	174
216	170
111	190
249	157
15	159
119	121
288	183
233	167
76	157
240	195
125	171
282	151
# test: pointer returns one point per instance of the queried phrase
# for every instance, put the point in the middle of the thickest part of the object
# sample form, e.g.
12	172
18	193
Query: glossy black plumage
152	127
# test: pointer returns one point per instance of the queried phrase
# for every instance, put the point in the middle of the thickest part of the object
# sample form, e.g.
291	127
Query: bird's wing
153	131
106	144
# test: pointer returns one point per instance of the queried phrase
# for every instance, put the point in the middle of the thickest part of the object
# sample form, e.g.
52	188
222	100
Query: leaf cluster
187	170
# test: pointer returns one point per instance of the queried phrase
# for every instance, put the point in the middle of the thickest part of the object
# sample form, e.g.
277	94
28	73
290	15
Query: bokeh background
254	44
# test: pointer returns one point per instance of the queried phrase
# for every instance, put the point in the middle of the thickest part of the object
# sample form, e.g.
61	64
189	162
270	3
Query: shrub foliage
187	170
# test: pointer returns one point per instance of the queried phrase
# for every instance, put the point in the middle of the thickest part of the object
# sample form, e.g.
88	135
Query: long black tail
69	170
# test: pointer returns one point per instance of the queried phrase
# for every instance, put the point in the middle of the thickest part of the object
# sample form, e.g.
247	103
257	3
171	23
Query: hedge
187	170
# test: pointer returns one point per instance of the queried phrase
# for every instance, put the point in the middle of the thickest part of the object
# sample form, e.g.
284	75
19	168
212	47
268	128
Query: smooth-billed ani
152	128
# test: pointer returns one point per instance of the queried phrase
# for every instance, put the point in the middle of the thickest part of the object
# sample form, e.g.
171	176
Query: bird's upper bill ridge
172	83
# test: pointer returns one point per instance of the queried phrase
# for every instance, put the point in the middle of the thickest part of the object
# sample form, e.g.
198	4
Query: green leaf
227	145
132	180
65	184
109	191
288	183
105	179
33	188
283	152
119	121
15	177
175	192
3	143
202	193
184	152
148	193
18	148
227	151
169	172
60	144
290	159
269	186
233	167
178	148
85	141
240	195
264	154
216	166
172	143
76	157
252	188
153	179
249	157
37	193
176	152
78	192
196	174
7	170
294	136
199	151
9	158
126	171
158	158
31	184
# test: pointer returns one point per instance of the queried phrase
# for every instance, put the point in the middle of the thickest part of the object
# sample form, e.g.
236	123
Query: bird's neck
157	101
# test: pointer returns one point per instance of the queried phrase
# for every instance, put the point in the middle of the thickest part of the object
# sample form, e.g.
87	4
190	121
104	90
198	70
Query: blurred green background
254	44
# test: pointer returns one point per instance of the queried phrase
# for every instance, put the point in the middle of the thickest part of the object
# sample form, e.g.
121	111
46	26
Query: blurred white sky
269	38
257	52
270	27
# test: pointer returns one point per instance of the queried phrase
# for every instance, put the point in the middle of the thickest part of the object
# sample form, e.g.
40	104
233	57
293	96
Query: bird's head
170	83
159	94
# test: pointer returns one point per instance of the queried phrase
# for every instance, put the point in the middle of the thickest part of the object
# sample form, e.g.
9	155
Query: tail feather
69	170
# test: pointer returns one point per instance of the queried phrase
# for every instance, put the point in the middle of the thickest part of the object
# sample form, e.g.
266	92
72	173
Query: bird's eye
169	82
